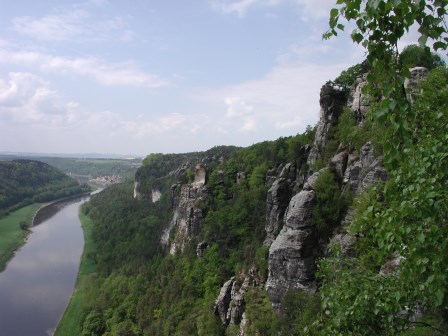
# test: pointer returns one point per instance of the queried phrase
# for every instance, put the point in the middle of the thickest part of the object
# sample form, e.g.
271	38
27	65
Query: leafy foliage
408	219
329	207
414	55
348	77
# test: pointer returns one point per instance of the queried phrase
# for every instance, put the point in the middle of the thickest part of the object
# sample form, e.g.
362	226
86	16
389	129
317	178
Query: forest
23	182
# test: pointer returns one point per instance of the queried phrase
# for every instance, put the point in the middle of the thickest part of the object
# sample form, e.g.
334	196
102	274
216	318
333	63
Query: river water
37	284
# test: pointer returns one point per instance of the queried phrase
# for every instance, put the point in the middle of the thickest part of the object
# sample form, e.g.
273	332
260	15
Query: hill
27	181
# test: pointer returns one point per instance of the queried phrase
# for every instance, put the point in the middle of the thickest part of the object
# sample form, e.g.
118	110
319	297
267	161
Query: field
11	235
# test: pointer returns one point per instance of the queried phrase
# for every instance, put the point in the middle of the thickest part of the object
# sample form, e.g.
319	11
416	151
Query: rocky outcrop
358	101
332	100
188	217
345	242
411	84
137	194
200	175
187	202
363	171
223	301
292	254
277	199
230	304
240	177
155	195
200	249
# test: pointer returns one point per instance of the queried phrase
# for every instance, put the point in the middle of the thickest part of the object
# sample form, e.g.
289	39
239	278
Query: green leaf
439	297
357	37
422	40
439	45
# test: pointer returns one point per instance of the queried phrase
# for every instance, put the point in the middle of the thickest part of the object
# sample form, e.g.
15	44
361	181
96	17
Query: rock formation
363	171
277	200
411	84
230	304
187	202
332	100
359	101
292	254
137	194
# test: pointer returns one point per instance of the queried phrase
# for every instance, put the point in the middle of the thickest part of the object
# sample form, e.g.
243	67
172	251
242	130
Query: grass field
70	323
11	235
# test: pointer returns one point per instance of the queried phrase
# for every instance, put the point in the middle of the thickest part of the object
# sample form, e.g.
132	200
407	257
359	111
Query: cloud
237	108
29	100
239	7
77	23
285	99
313	10
111	74
307	9
26	98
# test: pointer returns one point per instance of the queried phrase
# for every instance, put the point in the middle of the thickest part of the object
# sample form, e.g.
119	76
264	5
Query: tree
24	226
407	219
414	55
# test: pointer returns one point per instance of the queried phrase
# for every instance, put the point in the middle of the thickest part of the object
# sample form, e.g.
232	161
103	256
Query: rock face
332	100
137	194
187	202
417	75
223	301
200	175
277	200
155	195
230	304
364	171
292	254
358	101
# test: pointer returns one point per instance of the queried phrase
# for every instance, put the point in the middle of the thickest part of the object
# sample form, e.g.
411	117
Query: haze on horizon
113	76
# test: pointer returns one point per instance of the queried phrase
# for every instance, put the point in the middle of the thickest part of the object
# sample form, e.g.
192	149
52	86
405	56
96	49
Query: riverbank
70	323
12	236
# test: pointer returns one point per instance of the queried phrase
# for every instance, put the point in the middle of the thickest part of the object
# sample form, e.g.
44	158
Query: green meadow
12	236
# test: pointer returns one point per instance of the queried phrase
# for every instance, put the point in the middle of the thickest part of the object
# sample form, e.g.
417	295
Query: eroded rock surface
332	100
293	252
364	171
411	84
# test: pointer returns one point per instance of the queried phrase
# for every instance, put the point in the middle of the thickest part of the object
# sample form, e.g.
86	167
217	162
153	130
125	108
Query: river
37	284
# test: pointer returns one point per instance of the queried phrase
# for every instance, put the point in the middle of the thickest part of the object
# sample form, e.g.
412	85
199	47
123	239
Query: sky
170	76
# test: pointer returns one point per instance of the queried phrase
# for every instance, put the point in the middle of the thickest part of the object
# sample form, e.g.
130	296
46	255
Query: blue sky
140	76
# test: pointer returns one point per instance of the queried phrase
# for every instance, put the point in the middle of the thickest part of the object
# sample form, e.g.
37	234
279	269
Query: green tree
409	218
414	55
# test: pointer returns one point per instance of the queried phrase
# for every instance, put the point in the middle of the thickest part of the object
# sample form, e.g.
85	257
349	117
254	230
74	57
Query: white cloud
308	9
111	74
28	100
239	7
286	99
76	23
237	108
312	9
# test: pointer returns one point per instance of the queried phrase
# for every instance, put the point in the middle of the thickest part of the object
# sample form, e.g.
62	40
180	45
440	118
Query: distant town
106	180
